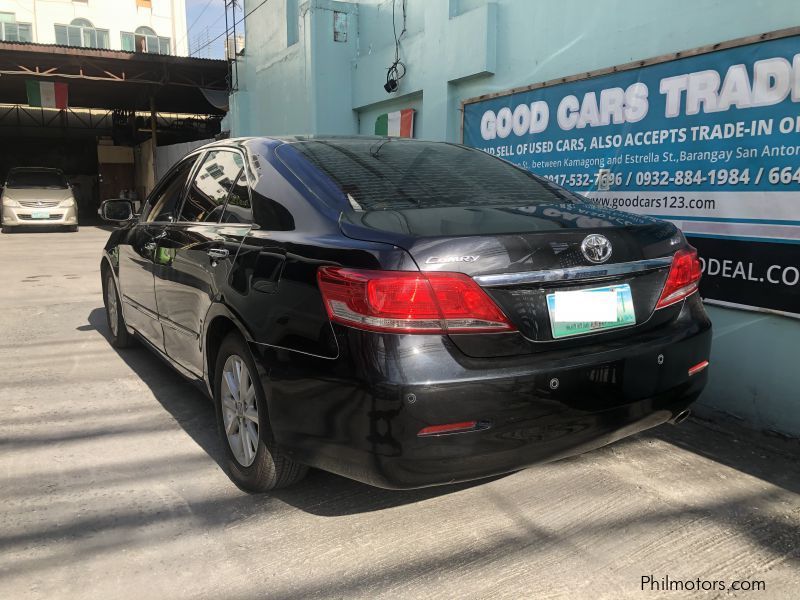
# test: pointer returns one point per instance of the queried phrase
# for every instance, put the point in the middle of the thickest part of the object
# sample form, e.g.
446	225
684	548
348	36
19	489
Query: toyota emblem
596	248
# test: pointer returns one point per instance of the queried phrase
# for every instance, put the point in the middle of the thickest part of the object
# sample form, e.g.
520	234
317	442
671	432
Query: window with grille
81	33
145	40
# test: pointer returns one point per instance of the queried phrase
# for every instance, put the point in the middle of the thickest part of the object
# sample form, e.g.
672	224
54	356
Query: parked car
403	313
36	197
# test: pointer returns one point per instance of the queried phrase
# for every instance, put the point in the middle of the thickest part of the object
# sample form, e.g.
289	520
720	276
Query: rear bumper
524	438
23	217
361	418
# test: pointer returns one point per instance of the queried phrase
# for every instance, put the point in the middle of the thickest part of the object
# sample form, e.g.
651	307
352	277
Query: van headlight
67	203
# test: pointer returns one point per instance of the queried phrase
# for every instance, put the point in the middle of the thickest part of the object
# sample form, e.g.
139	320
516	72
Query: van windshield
380	174
32	178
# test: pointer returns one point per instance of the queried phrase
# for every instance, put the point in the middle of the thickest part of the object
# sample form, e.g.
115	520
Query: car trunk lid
520	254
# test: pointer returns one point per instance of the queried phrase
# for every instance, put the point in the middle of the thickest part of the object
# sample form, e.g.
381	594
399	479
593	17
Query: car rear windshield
36	179
384	174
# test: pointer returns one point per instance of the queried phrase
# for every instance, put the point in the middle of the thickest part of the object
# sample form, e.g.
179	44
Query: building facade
320	67
153	26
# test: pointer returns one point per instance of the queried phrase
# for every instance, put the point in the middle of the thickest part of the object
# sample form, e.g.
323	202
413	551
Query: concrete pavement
110	487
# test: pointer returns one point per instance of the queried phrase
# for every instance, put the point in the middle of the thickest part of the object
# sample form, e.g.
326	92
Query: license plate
586	311
40	214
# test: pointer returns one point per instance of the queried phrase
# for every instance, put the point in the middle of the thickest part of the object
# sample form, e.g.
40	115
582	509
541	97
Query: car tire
120	338
7	229
257	465
72	228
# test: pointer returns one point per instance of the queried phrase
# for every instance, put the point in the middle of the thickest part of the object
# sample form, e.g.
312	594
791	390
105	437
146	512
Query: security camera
390	86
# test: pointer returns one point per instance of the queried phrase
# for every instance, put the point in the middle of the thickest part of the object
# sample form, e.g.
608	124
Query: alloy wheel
239	410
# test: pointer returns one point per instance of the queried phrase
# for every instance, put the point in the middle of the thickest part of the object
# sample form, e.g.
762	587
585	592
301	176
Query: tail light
448	428
409	302
698	367
683	279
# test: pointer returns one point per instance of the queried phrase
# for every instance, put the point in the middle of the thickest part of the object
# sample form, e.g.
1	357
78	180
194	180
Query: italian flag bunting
47	94
396	124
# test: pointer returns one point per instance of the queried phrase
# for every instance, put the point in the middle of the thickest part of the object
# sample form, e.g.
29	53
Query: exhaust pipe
680	417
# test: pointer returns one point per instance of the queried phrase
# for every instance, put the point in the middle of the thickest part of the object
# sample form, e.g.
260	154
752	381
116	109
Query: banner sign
710	142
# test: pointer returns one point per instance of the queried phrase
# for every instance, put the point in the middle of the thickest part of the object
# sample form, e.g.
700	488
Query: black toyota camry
404	313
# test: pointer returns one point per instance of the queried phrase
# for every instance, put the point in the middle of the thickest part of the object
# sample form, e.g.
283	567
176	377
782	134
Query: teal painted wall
272	95
457	49
755	370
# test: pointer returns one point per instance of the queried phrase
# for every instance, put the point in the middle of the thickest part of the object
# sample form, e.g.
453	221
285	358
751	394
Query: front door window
163	203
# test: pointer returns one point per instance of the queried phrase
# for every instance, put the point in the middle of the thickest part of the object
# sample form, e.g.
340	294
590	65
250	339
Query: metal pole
153	140
235	67
35	23
227	51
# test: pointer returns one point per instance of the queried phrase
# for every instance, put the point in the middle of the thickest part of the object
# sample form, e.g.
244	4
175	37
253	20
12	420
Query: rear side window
163	203
378	174
211	185
238	208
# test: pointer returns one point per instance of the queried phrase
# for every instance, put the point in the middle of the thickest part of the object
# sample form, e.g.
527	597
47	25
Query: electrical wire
198	17
188	29
398	68
227	30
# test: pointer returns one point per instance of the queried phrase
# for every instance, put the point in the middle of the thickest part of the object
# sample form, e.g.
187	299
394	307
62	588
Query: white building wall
166	17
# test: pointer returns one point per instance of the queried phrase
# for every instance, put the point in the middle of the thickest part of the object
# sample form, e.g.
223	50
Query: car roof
288	139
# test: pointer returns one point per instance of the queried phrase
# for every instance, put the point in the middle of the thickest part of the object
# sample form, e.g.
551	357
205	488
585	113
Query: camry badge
440	260
596	248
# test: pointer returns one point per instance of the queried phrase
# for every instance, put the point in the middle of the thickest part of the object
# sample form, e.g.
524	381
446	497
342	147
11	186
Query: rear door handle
218	253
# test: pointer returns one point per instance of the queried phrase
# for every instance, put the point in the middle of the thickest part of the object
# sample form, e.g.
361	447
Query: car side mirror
116	211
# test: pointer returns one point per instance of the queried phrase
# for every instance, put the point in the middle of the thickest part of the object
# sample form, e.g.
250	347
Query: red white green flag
396	124
47	94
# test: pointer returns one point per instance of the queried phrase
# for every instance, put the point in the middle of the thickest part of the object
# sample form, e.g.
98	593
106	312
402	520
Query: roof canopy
112	79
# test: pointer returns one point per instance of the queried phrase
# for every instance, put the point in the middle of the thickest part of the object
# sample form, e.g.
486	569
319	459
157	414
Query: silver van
36	197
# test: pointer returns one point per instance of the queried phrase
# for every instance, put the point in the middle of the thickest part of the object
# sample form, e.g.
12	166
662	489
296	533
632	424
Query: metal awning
113	79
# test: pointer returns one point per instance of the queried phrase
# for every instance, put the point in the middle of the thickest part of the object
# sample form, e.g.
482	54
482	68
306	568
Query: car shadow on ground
742	449
737	447
320	493
694	509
